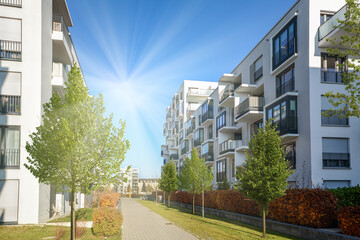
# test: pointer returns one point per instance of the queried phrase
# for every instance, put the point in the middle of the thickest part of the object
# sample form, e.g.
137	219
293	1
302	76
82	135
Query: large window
330	71
10	147
285	82
220	170
210	132
258	69
334	119
284	44
335	153
10	92
207	110
290	154
198	137
284	114
220	121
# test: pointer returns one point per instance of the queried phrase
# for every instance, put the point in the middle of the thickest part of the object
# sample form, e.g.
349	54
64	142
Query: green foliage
168	181
143	189
224	185
347	196
349	46
106	221
264	176
77	146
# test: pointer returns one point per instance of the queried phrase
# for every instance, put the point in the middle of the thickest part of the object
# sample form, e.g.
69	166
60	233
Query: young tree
224	185
347	104
263	178
168	181
143	189
76	148
195	176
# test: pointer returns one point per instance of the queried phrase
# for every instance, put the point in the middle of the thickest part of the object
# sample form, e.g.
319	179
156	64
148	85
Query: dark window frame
282	86
342	158
221	176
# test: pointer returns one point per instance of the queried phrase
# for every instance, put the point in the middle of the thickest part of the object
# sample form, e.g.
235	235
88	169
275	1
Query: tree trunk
156	196
72	215
193	203
202	213
264	223
169	199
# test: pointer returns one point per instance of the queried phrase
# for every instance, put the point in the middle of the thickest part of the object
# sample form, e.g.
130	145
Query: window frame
3	130
348	155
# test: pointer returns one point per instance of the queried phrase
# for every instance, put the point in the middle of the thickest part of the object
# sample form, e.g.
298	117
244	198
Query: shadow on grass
218	224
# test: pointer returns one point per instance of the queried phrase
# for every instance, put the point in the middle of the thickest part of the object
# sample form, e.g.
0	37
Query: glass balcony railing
250	104
227	92
199	92
207	111
327	27
229	146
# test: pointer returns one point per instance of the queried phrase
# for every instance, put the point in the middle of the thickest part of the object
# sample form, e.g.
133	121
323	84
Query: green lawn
210	227
82	213
37	232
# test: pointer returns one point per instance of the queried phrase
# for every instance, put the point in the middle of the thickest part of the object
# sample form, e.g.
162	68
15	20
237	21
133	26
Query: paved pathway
142	223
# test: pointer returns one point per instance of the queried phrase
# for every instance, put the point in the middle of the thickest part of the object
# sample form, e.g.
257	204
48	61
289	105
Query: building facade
283	78
36	52
131	181
148	185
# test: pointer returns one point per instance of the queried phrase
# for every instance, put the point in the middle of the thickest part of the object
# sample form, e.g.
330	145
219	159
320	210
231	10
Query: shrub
80	228
349	218
347	196
60	232
109	200
106	221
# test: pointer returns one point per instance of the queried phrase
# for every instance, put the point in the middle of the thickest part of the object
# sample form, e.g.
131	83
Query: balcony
191	108
207	112
196	94
63	48
12	3
179	110
59	75
250	110
246	88
207	151
228	147
10	105
190	127
10	158
10	50
327	30
198	137
226	97
174	157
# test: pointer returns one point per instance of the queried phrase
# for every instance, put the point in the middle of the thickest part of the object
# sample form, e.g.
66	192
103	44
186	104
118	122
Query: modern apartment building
180	120
132	181
148	185
36	52
284	77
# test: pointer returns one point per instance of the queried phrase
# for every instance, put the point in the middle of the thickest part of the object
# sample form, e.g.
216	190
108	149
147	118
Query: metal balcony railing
250	104
10	50
289	86
10	158
229	146
327	27
227	92
13	3
10	104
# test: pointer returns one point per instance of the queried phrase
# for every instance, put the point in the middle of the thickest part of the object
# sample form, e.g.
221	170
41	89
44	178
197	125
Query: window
335	119
335	153
198	137
324	17
284	114
220	121
10	147
10	93
257	125
207	110
10	39
220	170
290	154
336	183
233	169
284	44
330	70
285	82
210	132
258	69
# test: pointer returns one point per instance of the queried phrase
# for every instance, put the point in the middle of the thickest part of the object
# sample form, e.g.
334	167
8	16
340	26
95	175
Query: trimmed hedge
349	218
109	200
347	196
307	207
106	221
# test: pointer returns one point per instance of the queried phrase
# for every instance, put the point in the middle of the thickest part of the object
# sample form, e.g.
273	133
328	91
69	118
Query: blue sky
137	53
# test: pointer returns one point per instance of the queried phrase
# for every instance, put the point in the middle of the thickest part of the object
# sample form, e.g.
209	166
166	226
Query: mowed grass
210	227
82	213
39	232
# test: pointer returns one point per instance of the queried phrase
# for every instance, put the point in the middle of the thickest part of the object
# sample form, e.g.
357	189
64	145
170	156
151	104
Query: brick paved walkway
142	223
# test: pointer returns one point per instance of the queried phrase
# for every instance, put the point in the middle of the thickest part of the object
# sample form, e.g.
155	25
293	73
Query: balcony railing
227	92
190	126
250	104
229	146
288	86
13	3
59	70
10	104
334	119
184	150
331	76
208	152
60	26
327	27
10	50
200	92
209	111
337	160
10	158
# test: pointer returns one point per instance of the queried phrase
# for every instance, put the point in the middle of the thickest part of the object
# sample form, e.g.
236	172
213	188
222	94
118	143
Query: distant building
148	185
131	181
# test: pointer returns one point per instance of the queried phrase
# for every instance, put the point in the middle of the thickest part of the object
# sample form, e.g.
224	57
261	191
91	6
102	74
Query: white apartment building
147	185
285	78
180	121
132	181
36	52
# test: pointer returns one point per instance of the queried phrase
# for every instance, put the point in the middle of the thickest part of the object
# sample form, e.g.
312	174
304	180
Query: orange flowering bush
106	221
349	218
109	200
